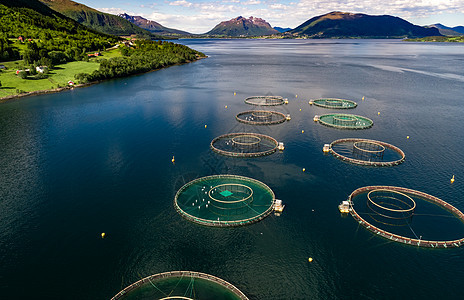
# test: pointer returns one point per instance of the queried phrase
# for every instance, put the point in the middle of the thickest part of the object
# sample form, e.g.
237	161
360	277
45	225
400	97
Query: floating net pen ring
261	114
219	187
411	208
344	119
246	140
358	146
261	117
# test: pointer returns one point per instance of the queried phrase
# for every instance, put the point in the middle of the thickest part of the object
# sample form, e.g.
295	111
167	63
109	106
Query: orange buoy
310	259
173	159
452	179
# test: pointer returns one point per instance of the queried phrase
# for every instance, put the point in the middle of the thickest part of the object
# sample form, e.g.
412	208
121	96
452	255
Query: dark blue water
98	159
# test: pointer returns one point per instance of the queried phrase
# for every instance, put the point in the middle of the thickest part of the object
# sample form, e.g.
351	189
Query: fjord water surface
98	159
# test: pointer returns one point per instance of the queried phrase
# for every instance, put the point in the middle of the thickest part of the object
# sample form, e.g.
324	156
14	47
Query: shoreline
81	85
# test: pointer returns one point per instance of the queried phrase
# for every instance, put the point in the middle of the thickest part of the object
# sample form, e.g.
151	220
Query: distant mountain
454	31
280	29
92	18
241	26
152	26
349	25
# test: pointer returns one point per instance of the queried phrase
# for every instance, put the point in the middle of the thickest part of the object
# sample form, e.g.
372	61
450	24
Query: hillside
92	18
47	30
452	31
152	26
349	25
241	26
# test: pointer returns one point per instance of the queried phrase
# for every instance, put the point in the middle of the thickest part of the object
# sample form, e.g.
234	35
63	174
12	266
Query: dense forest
145	56
45	35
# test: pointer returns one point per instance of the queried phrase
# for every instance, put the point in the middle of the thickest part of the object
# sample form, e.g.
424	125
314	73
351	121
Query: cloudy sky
200	16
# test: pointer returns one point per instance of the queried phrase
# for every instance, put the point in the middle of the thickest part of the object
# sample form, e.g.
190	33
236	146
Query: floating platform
344	207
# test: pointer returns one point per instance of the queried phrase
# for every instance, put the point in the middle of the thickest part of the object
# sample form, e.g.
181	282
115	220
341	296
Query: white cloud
181	3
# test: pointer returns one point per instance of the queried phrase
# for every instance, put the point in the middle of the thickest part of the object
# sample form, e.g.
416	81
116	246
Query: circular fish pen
265	100
244	144
224	200
345	121
261	117
403	215
334	103
181	285
367	152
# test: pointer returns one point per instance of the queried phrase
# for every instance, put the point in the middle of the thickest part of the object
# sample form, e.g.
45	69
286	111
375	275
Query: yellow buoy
103	235
173	160
378	113
302	131
300	109
206	125
407	137
452	179
235	93
304	170
362	98
310	259
226	106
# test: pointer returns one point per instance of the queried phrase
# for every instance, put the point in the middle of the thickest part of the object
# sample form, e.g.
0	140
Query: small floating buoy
296	96
310	259
300	109
206	125
235	93
302	131
173	160
304	170
226	106
452	179
362	98
407	137
378	113
103	235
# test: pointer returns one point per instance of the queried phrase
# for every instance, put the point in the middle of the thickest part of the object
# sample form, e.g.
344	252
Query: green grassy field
58	77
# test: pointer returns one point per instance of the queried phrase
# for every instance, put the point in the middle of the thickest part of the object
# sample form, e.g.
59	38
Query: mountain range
331	25
453	31
92	18
348	25
152	26
241	26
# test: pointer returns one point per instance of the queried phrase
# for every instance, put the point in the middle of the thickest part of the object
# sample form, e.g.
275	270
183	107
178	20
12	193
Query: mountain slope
92	18
241	26
348	25
280	29
152	26
453	31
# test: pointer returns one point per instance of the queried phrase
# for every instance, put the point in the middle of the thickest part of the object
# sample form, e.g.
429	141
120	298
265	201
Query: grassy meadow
59	76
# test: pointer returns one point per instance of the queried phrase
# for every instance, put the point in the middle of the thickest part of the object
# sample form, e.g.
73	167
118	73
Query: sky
200	16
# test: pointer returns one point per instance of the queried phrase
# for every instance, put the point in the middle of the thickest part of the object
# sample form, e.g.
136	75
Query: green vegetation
99	21
55	50
450	39
143	57
58	77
